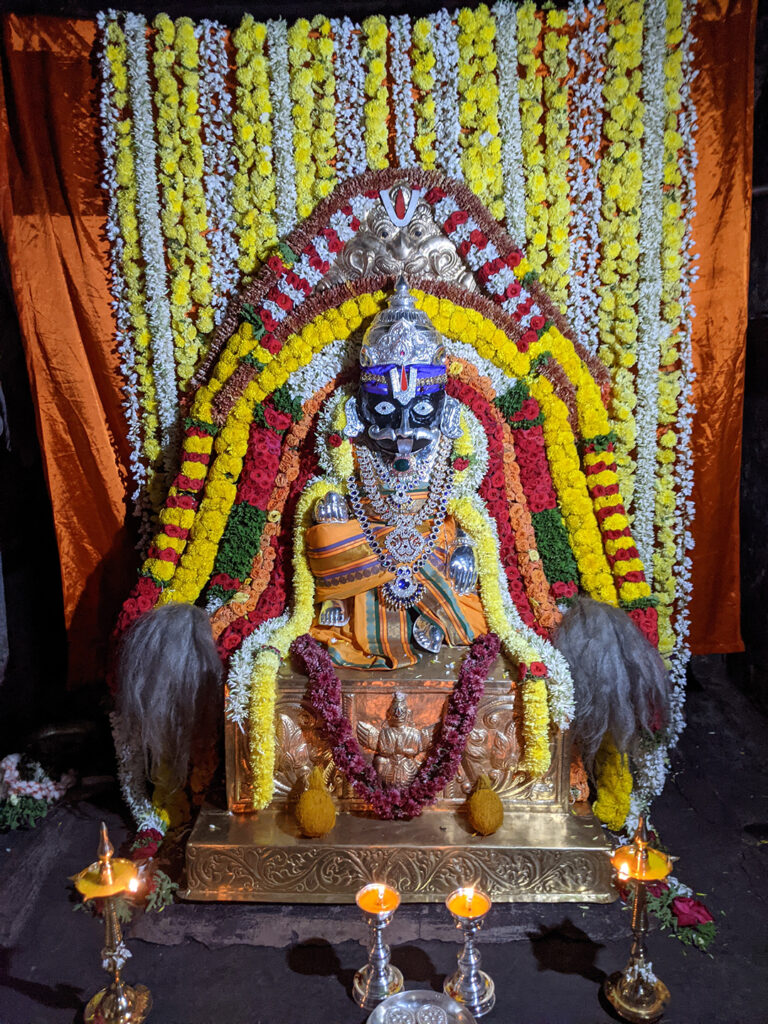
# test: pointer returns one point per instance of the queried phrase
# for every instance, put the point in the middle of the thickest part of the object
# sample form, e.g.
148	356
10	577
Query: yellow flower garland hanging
253	184
324	111
479	107
374	53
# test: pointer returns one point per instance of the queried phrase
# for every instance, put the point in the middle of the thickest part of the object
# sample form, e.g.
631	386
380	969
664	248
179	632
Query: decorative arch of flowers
535	467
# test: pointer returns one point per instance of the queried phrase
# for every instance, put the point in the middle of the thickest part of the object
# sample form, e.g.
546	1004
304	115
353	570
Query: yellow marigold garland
555	275
376	104
621	178
302	97
531	111
267	662
614	785
536	752
253	185
479	107
423	58
324	113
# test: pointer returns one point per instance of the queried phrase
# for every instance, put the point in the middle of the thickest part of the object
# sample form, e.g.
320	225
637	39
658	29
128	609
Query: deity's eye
423	408
384	408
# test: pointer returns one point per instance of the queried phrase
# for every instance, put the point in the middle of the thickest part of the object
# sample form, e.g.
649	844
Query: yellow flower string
621	178
302	98
374	54
531	111
180	169
267	662
614	786
479	107
536	752
423	57
324	119
253	185
573	496
555	276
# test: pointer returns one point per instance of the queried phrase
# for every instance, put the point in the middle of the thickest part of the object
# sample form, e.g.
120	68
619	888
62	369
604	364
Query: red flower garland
444	755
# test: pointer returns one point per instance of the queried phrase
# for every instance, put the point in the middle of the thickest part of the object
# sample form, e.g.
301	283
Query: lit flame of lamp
379	978
636	993
106	879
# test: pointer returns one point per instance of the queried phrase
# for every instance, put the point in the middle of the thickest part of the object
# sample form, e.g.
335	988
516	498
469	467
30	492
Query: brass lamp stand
636	993
106	879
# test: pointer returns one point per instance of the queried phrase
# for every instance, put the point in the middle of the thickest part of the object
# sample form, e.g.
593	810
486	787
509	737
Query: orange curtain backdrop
52	215
723	94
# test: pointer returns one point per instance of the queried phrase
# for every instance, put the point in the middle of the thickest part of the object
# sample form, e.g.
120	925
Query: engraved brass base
534	857
623	997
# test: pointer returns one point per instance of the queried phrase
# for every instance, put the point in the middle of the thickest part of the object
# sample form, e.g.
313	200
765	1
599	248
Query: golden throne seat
543	851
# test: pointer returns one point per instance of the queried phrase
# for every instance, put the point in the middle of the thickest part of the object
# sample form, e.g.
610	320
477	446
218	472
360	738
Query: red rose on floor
335	440
657	888
690	912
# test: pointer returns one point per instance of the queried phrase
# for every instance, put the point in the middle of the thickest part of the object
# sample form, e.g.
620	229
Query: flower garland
377	104
531	110
350	110
621	177
650	284
556	273
324	148
509	118
124	270
424	108
151	240
586	54
218	161
303	100
446	95
180	156
402	89
254	186
479	107
444	756
282	131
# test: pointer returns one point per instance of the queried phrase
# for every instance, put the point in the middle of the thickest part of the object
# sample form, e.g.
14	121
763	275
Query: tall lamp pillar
106	879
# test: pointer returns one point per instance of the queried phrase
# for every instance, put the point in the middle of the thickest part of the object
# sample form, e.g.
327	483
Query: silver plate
420	1007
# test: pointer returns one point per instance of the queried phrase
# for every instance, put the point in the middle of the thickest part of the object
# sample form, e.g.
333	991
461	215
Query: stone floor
250	964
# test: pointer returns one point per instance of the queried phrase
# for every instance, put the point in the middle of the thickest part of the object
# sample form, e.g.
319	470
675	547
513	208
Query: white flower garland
466	482
215	106
445	36
152	248
683	472
282	132
402	89
509	118
123	333
132	778
350	99
586	52
238	700
650	283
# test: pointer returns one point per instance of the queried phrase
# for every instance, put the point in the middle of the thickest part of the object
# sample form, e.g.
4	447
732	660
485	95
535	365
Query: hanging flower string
442	759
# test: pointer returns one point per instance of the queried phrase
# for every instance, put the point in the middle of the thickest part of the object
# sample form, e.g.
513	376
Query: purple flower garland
442	760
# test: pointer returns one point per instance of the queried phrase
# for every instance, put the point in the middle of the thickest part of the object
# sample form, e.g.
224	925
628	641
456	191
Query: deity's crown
402	335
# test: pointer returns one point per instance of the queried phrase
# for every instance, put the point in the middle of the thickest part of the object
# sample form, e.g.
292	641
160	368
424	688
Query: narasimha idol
395	551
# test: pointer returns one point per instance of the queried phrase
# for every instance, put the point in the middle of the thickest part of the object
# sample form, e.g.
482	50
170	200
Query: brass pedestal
548	858
542	851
